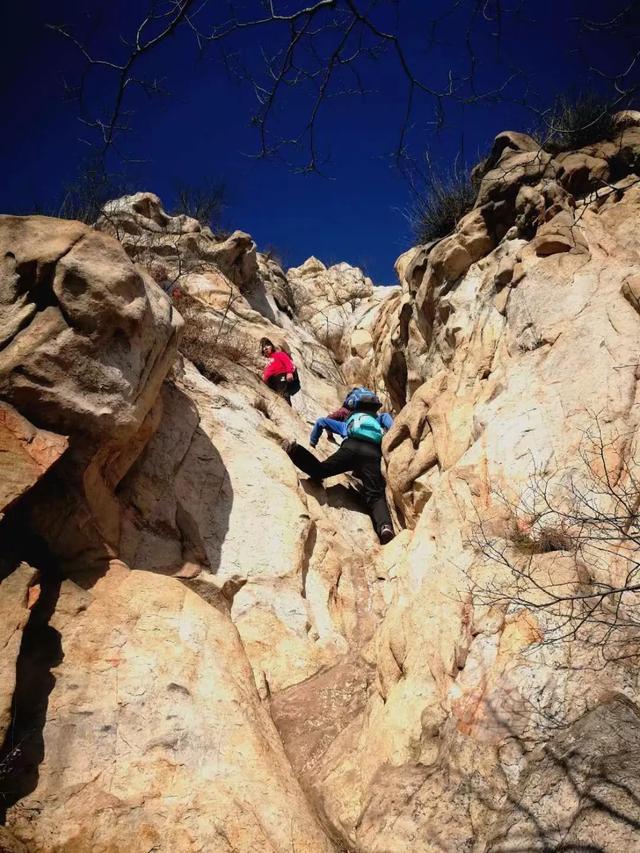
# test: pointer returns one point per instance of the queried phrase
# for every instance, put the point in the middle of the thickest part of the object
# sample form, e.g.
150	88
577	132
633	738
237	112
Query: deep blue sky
201	132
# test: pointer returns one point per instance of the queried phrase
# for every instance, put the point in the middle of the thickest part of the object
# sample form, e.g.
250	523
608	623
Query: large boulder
87	338
173	245
333	301
155	735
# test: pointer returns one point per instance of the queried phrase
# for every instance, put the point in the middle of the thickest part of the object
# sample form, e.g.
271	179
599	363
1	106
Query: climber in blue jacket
361	453
336	422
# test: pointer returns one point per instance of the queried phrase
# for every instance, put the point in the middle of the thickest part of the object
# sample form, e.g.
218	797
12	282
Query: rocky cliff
204	651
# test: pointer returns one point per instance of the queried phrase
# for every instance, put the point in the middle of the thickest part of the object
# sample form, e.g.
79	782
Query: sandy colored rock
333	302
580	172
100	335
581	788
170	245
10	844
183	755
560	234
499	388
15	605
422	695
361	342
25	454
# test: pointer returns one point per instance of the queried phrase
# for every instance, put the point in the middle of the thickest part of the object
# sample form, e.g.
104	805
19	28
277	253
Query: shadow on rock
177	498
23	748
337	496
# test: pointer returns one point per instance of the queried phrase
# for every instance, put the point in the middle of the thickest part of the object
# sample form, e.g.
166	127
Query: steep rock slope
518	337
216	654
140	716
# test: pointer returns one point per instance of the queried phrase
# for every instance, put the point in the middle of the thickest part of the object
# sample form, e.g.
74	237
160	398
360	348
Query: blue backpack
359	396
365	427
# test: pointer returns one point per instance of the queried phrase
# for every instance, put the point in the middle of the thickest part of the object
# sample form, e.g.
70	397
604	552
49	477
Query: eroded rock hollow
205	651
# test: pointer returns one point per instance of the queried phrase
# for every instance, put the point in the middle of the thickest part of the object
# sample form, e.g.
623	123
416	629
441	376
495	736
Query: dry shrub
208	341
442	203
205	202
542	540
262	406
575	122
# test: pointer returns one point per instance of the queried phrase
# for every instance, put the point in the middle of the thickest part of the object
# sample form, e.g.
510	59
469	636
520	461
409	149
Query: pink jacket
278	363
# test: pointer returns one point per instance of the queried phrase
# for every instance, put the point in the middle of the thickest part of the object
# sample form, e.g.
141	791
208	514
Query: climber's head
369	407
267	347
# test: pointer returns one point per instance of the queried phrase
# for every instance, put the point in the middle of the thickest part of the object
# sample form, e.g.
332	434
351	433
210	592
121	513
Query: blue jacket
340	427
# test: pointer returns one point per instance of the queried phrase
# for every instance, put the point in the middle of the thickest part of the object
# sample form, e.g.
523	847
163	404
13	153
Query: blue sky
201	132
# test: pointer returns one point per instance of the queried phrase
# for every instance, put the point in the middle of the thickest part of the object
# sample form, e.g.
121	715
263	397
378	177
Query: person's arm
385	420
270	369
316	432
287	365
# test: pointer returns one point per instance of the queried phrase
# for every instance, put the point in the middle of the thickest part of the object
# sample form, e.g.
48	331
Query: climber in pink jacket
280	373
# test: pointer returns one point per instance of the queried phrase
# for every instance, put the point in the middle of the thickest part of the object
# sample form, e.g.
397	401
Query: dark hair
368	406
266	342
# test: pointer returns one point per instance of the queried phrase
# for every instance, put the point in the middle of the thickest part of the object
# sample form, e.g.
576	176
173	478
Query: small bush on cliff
441	204
570	549
85	197
208	338
576	122
206	203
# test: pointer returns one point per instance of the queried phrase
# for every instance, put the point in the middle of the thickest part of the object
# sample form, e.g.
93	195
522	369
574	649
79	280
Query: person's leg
316	432
343	460
374	492
338	463
334	426
272	382
305	461
380	515
278	383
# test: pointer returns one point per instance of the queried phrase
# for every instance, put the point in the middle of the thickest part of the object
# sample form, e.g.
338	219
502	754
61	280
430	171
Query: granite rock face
224	657
156	731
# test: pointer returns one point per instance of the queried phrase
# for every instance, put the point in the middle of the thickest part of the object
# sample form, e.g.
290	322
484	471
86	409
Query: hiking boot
386	534
288	444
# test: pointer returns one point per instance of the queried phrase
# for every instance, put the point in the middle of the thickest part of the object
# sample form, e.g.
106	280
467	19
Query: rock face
180	475
183	754
87	338
216	654
16	598
338	304
515	335
25	454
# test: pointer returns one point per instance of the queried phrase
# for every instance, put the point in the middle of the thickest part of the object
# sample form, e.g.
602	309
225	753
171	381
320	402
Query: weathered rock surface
508	351
336	303
87	337
180	476
233	296
424	694
25	454
18	591
580	791
155	734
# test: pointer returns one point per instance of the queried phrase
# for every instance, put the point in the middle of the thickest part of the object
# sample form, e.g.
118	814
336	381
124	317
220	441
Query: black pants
361	457
279	384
